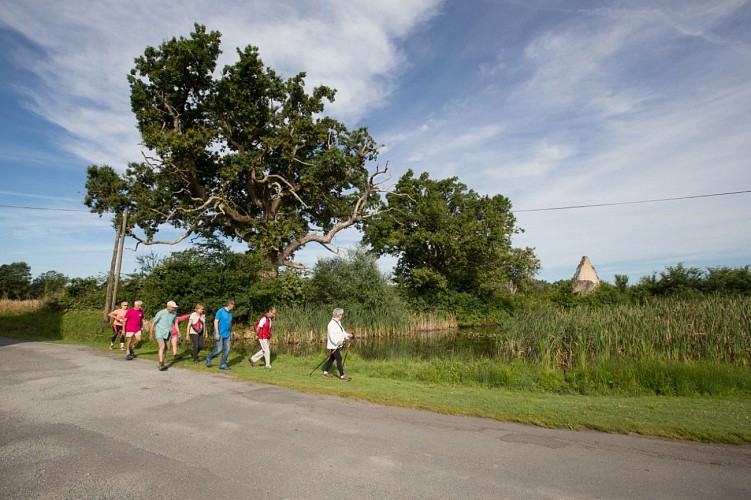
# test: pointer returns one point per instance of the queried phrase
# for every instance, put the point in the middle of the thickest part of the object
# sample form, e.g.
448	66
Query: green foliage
676	280
728	280
105	190
450	239
84	293
48	283
245	155
292	288
208	275
680	280
621	282
15	280
352	281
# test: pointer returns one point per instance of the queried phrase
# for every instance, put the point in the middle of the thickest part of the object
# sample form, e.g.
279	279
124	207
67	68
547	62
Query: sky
550	103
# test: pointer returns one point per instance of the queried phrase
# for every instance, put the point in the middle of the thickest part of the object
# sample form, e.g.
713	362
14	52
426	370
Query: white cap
171	303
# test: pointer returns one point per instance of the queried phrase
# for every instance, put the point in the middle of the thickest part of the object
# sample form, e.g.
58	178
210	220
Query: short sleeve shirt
224	318
134	320
163	322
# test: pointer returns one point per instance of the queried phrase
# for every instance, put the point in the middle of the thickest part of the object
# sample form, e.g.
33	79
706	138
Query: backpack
255	327
197	326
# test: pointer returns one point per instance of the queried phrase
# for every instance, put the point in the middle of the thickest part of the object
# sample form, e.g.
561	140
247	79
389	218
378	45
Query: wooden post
113	278
120	256
110	279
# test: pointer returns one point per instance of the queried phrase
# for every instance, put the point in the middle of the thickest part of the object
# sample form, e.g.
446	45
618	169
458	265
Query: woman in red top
263	332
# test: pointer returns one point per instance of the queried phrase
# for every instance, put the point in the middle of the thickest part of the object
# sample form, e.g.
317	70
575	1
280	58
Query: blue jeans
222	345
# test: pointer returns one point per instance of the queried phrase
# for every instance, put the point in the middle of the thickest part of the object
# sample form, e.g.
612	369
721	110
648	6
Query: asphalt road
80	423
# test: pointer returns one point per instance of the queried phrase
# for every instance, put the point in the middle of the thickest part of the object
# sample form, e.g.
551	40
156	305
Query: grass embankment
699	399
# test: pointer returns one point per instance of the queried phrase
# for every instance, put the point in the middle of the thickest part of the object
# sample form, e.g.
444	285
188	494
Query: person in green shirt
162	324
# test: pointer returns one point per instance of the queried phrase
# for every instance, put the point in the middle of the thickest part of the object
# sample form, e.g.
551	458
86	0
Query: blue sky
551	104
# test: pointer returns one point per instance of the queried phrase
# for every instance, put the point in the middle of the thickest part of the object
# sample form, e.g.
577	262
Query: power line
569	207
45	208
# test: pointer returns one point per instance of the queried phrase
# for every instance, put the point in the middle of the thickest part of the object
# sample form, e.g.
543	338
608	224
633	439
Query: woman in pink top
118	321
175	337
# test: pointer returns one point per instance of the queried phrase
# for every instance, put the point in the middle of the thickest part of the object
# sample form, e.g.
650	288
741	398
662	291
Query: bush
354	281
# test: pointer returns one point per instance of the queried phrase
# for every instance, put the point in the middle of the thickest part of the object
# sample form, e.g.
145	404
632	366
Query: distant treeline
211	274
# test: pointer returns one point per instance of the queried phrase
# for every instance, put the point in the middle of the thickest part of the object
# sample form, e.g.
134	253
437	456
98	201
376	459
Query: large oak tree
243	154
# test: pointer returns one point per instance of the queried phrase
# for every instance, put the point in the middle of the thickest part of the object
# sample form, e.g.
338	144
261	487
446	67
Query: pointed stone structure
585	278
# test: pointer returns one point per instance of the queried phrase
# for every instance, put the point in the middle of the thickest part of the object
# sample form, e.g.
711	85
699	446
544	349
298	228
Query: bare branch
159	242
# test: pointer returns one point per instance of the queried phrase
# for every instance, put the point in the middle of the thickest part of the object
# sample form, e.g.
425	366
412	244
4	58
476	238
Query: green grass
706	419
702	401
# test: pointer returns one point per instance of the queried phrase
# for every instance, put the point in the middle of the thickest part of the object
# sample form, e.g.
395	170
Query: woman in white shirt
334	343
197	330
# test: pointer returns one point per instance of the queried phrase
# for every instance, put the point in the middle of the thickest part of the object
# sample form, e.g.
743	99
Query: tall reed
715	328
308	324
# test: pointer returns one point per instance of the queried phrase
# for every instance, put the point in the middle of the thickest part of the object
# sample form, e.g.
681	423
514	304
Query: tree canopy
449	238
15	280
244	154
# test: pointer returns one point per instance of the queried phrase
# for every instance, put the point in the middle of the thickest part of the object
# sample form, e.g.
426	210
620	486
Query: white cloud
88	48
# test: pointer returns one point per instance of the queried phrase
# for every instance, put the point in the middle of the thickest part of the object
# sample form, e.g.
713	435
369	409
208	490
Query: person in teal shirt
222	333
162	324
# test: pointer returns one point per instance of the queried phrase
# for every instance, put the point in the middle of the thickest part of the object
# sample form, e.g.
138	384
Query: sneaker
196	360
177	356
129	356
208	363
224	367
252	363
327	375
122	347
162	367
111	347
345	378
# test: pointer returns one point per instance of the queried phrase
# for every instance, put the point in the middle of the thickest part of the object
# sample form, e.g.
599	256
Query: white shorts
131	334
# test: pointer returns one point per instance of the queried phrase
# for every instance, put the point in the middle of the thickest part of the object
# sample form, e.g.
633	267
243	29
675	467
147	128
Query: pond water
462	343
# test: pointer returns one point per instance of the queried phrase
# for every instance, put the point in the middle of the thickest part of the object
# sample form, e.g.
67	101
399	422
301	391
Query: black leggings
335	354
118	330
197	341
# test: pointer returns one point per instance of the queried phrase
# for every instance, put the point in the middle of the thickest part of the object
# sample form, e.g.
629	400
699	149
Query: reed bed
305	324
715	328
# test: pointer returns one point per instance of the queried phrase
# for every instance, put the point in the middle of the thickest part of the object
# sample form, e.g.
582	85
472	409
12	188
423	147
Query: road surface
81	423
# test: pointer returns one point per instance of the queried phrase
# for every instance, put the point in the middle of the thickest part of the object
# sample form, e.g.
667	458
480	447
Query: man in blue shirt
222	332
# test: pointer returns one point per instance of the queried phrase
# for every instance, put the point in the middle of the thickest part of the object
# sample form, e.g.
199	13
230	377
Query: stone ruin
585	279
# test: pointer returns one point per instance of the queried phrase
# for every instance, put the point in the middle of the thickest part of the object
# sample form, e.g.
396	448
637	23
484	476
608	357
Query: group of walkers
128	324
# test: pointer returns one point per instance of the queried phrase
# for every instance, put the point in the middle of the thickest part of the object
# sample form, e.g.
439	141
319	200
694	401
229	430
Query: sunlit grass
21	306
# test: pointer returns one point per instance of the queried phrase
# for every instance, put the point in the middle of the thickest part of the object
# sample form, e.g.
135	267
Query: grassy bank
687	398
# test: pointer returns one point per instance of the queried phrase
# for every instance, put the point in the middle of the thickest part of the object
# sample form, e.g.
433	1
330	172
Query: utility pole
120	257
117	257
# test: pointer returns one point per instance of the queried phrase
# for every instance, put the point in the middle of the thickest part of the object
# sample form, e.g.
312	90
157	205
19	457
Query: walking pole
324	360
346	351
